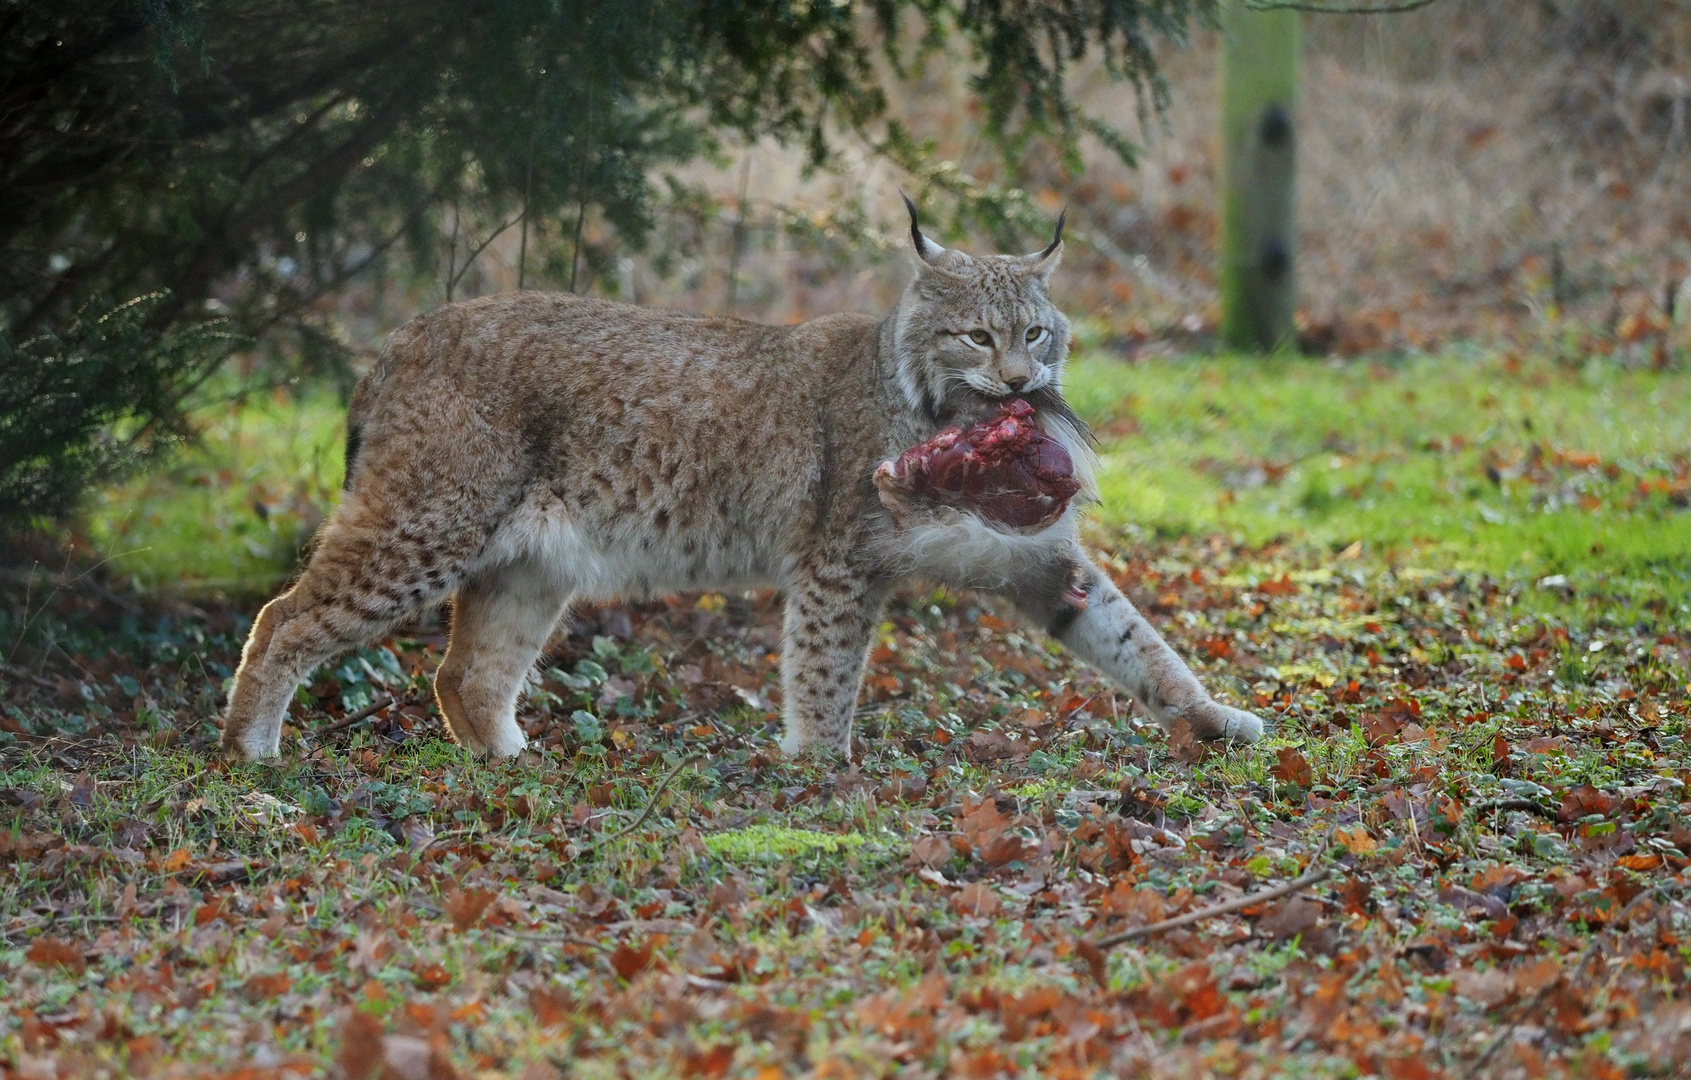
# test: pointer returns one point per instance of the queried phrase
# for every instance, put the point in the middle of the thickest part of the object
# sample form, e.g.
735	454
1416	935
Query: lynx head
971	331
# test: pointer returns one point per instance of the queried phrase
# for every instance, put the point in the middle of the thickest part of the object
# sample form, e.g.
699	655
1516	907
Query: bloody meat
1004	470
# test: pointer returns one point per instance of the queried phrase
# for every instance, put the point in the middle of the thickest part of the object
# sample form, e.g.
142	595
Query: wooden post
1259	89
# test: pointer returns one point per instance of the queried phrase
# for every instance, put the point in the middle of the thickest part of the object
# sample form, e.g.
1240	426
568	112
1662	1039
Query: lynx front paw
1211	721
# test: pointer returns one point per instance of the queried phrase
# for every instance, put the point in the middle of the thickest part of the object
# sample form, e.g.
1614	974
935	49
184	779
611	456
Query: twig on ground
650	926
11	932
1479	810
651	805
358	717
12	672
1223	908
1338	9
555	939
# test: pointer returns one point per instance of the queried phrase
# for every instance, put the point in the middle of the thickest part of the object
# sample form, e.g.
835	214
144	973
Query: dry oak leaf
1183	745
710	1062
1488	988
552	1005
630	961
431	977
82	790
1585	799
1295	916
264	987
1536	976
412	1057
982	822
50	952
976	898
465	906
902	789
1410	1068
1216	648
984	746
360	1053
1096	965
1194	987
1292	768
1380	728
931	851
1498	878
1285	586
1141	907
1356	840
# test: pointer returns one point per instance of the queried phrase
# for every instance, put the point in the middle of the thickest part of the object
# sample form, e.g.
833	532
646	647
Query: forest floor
1459	587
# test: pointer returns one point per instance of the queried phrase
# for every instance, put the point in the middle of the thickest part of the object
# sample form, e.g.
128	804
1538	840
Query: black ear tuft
915	227
1056	241
926	250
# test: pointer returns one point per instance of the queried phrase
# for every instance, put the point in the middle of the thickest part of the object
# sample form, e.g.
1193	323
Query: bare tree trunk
1259	88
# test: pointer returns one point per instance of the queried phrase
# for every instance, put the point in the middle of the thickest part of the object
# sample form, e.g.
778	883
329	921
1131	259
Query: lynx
523	450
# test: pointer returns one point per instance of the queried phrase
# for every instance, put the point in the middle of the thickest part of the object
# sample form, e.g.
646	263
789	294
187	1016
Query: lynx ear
926	249
1042	264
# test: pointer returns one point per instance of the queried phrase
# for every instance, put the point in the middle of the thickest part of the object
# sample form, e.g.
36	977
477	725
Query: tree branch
358	717
325	171
1338	9
1223	908
471	257
651	805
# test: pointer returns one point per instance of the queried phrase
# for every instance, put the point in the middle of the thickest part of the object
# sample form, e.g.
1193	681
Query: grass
230	514
1493	766
778	843
1526	470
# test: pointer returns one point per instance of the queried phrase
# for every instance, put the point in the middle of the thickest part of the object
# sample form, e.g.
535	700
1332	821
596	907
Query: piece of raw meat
1004	470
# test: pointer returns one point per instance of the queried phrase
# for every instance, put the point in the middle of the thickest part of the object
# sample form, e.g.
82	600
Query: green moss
773	843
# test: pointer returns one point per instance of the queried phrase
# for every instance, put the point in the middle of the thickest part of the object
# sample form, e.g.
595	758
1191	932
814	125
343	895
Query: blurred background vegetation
187	183
210	215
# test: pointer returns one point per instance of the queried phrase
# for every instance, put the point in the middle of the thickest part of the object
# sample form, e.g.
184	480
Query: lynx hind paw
795	744
249	746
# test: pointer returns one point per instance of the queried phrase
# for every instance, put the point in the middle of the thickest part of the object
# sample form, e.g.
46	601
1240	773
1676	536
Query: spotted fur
521	451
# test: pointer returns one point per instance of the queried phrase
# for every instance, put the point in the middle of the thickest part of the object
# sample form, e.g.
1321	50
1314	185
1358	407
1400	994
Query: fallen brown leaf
51	952
976	898
1292	768
465	906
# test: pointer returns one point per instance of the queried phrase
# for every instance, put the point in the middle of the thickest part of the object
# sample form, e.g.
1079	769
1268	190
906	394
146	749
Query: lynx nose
1016	382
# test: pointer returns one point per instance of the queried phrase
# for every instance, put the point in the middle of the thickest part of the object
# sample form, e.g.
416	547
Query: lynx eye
1035	333
980	337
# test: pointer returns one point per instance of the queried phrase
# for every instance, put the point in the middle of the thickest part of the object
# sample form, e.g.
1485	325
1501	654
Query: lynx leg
1107	632
831	613
356	588
501	619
